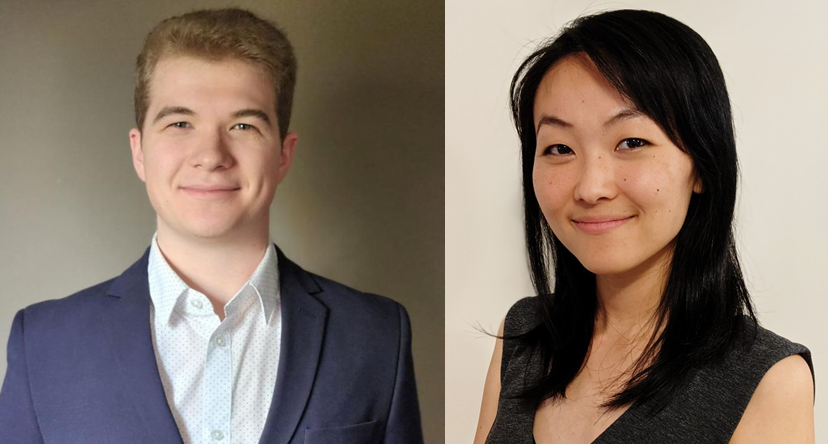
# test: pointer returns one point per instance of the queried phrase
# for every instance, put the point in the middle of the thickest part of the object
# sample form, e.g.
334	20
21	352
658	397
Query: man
213	336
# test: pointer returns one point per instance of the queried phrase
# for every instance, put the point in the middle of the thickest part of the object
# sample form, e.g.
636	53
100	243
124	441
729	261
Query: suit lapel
128	324
303	328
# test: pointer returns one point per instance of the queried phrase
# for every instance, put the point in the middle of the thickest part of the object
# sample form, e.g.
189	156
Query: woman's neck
628	302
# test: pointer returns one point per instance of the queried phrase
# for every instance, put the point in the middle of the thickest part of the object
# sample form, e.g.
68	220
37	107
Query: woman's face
612	186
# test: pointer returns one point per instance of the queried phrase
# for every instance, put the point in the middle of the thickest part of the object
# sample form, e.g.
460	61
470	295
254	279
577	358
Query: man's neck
215	267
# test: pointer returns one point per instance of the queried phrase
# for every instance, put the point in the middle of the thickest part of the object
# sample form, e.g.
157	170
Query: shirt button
196	303
217	435
220	341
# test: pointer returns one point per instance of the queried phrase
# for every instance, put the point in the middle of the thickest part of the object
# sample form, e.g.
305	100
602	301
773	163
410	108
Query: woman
644	331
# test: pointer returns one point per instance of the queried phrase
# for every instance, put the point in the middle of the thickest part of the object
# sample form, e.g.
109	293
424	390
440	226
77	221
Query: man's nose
212	152
597	179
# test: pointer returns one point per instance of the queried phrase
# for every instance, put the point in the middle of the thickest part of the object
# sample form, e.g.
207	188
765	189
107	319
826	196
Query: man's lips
209	190
600	224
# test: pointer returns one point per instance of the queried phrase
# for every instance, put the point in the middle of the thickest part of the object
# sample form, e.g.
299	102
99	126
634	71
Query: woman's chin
607	267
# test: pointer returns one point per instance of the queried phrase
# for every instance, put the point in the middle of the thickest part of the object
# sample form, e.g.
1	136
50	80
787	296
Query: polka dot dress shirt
218	376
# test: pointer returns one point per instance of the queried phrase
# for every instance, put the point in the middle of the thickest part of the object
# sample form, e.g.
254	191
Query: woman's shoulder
711	404
759	349
523	316
780	378
747	360
740	372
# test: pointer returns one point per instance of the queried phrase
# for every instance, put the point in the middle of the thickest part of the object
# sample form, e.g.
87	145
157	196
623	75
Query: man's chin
207	232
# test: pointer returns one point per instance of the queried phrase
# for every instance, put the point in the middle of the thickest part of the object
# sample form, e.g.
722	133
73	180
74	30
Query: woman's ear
698	188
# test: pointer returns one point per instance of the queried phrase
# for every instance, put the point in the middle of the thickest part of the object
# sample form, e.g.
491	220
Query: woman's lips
600	225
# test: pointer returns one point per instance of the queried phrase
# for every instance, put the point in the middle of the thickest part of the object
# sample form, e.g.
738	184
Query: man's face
210	151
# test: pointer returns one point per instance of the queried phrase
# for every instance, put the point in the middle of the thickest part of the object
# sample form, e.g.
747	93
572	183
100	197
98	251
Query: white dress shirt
218	376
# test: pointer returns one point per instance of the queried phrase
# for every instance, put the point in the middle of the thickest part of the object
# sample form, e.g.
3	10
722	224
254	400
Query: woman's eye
243	126
632	143
557	150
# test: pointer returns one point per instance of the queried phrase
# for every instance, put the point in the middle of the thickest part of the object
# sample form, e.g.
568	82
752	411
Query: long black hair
670	74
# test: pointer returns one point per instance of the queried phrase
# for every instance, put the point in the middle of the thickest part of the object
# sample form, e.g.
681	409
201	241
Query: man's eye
180	125
632	143
557	150
243	126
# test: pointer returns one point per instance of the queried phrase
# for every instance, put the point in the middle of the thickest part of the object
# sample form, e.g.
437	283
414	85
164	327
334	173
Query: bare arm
782	407
491	393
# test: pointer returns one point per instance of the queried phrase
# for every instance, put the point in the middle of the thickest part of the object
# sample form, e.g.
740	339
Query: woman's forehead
574	91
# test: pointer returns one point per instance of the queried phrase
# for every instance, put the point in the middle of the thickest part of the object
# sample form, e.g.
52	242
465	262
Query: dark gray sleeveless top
707	410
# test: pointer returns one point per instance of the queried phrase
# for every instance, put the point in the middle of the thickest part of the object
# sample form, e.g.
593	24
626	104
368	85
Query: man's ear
137	152
286	155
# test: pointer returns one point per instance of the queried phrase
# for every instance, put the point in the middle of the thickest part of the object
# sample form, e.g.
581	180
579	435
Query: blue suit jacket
82	369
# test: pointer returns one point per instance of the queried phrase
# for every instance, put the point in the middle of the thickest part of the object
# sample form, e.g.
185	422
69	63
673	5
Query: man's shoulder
354	306
336	294
359	313
338	298
91	299
83	301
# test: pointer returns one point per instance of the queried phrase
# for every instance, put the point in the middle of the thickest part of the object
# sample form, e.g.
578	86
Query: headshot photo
223	223
630	256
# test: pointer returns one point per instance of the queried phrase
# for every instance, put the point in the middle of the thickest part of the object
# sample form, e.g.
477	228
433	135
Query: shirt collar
167	288
265	281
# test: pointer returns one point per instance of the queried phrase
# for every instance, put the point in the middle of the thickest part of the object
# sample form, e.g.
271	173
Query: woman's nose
596	180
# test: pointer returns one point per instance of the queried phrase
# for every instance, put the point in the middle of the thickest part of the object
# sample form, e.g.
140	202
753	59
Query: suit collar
303	328
133	281
127	321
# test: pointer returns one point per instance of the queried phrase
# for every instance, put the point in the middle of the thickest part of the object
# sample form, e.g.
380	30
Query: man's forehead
203	80
179	60
218	58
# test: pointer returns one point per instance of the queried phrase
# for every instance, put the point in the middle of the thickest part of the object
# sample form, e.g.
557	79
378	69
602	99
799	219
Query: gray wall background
363	203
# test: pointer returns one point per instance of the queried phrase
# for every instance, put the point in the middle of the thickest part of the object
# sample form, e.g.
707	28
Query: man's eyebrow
171	110
624	114
252	112
548	119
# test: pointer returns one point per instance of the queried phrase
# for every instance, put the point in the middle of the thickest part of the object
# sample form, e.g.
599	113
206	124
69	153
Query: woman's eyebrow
549	119
624	114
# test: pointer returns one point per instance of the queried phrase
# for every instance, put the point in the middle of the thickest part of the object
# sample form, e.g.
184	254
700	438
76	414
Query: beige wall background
774	56
363	203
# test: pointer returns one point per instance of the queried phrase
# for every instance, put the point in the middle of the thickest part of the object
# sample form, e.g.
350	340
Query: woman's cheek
661	190
648	182
551	186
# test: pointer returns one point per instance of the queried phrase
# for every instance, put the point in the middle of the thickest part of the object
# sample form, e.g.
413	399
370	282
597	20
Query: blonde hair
217	34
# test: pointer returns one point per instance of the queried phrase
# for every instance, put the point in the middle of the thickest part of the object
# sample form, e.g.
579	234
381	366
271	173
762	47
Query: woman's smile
600	224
